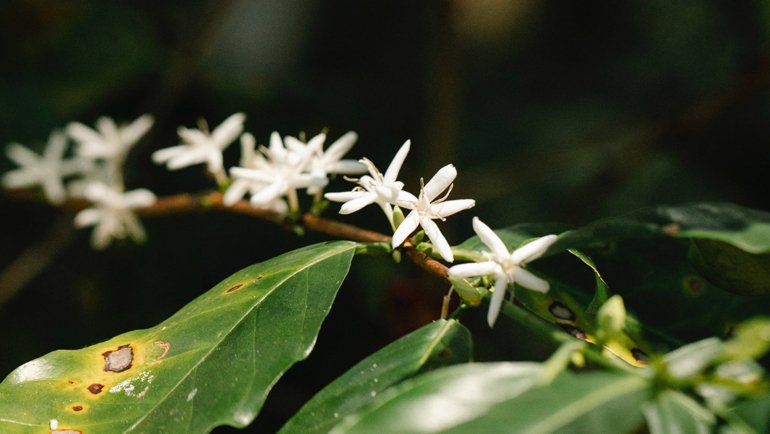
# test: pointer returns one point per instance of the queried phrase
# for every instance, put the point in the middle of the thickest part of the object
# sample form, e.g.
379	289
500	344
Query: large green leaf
504	397
437	344
211	363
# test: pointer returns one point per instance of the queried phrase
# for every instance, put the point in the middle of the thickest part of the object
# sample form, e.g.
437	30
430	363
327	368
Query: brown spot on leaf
574	331
70	381
672	230
66	431
77	408
693	285
165	346
640	356
118	360
444	353
234	288
260	275
96	388
561	311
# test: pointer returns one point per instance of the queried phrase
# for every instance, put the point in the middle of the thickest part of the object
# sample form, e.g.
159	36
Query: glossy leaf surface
437	344
211	363
504	397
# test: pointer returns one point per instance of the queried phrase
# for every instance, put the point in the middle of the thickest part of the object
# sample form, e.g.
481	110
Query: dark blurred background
551	110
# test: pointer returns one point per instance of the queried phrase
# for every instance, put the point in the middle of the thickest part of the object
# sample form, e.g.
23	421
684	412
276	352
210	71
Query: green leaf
211	363
755	413
505	397
440	343
750	341
675	412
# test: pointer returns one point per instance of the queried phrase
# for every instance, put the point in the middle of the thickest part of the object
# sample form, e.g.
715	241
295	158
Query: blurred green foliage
552	111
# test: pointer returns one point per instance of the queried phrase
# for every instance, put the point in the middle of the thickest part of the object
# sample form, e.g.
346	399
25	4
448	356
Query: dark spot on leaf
444	353
561	311
693	285
70	382
165	346
118	360
77	408
640	356
234	288
574	331
672	230
260	275
96	388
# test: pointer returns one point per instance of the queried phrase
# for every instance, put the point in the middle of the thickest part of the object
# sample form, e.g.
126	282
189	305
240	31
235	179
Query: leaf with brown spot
221	354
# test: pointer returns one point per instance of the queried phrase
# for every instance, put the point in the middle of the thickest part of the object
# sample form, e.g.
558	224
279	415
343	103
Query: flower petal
87	217
341	146
395	166
533	250
228	130
236	191
449	207
406	227
530	281
21	155
346	167
475	269
437	239
162	155
358	203
440	181
344	196
490	239
501	284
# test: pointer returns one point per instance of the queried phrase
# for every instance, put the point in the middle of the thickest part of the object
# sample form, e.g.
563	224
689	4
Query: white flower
377	188
201	146
506	268
108	141
46	170
281	173
112	215
426	208
322	164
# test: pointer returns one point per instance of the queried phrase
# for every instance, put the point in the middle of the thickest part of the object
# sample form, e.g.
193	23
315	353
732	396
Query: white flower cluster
386	191
93	173
271	176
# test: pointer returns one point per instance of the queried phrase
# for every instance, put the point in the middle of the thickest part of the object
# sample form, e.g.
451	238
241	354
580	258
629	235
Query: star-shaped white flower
426	208
112	214
46	170
329	162
108	141
506	268
281	173
201	146
377	188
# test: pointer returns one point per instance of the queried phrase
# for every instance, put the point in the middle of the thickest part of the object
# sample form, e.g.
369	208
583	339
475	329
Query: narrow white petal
533	250
134	227
389	192
296	145
248	143
437	239
440	181
193	137
258	175
346	167
228	130
57	144
82	133
341	146
235	192
21	155
189	158
21	178
388	210
54	189
101	236
475	269
450	207
530	281
344	196
356	204
87	217
395	166
213	158
138	128
406	227
490	239
316	143
268	194
162	155
406	200
497	300
139	198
